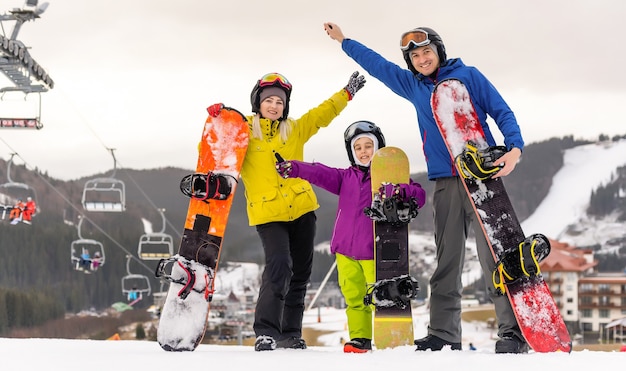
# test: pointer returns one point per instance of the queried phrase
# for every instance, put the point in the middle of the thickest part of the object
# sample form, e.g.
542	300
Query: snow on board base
535	309
175	334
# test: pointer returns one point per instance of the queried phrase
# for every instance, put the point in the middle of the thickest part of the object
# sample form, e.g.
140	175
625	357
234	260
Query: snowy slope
584	169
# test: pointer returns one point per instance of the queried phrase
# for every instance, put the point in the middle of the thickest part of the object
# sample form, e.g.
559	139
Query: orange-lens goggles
413	39
272	79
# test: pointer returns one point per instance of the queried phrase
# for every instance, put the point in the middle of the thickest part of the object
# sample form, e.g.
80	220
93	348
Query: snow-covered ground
96	355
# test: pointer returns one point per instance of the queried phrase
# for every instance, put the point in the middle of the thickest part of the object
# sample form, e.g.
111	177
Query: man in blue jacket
427	62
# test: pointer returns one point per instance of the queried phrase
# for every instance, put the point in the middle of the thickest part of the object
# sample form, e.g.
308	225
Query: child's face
272	108
424	60
364	150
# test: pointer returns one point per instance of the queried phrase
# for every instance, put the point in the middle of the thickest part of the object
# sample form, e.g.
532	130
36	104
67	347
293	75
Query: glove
388	190
284	168
392	209
355	83
214	110
403	192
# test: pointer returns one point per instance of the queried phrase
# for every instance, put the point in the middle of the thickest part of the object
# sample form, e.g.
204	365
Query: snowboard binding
217	186
477	164
522	262
392	292
188	281
391	210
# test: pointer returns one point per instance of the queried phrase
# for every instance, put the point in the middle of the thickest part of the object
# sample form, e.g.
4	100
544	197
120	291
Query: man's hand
334	31
508	161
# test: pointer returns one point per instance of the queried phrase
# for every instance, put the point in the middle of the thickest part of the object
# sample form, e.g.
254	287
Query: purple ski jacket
353	235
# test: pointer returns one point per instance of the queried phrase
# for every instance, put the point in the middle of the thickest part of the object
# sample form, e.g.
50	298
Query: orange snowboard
185	314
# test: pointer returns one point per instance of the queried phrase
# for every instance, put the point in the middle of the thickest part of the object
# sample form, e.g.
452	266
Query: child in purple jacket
353	236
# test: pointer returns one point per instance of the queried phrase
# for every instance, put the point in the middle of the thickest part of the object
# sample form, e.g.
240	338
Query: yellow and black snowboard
393	326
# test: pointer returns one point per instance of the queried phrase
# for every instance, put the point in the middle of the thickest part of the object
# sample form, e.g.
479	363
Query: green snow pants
354	276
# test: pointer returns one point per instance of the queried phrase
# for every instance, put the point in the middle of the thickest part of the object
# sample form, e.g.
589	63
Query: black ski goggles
413	39
357	128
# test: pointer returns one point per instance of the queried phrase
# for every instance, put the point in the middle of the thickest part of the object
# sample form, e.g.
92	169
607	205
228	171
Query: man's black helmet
362	127
433	37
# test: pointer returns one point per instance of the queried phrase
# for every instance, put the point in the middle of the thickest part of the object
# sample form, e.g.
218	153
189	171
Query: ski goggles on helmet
357	128
274	79
413	39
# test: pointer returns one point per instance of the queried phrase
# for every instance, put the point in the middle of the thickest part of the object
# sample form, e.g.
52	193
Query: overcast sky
137	75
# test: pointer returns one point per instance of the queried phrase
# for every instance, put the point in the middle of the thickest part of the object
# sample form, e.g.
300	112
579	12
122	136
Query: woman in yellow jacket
282	210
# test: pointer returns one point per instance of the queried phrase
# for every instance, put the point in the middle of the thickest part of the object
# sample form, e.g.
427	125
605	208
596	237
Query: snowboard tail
184	316
536	311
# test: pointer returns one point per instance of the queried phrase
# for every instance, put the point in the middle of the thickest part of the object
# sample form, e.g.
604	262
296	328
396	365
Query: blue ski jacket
417	89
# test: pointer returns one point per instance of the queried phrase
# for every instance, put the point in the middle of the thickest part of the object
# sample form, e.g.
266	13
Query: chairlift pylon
105	194
93	248
156	245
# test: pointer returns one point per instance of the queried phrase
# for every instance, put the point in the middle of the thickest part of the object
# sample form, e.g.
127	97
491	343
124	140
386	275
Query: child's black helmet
407	44
361	127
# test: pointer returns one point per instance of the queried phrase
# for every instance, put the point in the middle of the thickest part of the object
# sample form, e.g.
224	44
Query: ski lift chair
81	245
78	247
135	283
105	194
12	191
157	245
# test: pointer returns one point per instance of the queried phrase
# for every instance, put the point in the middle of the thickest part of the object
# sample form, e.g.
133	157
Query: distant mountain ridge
147	190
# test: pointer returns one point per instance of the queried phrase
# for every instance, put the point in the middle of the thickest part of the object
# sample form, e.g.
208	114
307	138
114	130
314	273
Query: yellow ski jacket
270	198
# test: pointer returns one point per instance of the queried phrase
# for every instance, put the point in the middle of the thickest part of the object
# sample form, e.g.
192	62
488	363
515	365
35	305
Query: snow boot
293	342
510	343
435	343
264	343
358	345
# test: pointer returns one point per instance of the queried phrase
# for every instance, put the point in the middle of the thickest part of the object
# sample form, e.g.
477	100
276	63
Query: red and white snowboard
536	311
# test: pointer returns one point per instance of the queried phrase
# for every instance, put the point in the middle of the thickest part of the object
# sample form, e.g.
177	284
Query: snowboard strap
191	280
397	291
212	185
523	262
187	282
479	164
392	210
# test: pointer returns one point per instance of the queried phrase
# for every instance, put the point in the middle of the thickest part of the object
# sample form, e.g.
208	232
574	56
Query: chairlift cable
116	161
178	234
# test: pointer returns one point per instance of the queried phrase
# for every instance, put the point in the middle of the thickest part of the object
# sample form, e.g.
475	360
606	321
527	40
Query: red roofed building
588	300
